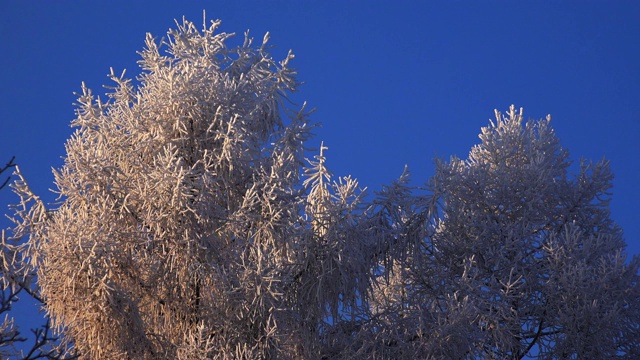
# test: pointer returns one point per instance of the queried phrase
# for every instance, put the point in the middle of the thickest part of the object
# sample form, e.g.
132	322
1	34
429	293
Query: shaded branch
9	165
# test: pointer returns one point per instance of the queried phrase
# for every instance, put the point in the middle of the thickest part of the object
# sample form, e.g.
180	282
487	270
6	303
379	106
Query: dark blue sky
396	82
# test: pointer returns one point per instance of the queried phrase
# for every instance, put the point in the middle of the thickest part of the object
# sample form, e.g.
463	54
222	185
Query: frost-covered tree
191	226
519	259
180	222
185	230
17	282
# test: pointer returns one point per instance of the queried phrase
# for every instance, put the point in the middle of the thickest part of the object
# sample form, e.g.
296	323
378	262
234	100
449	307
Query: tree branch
10	164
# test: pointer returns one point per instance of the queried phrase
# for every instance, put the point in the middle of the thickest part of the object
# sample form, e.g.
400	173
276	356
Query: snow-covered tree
185	229
17	283
190	225
520	258
180	230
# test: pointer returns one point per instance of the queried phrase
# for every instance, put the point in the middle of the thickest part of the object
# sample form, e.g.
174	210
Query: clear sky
395	82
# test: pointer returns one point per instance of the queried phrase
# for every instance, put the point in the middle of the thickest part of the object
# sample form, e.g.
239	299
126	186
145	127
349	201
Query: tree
191	226
182	230
521	259
16	281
